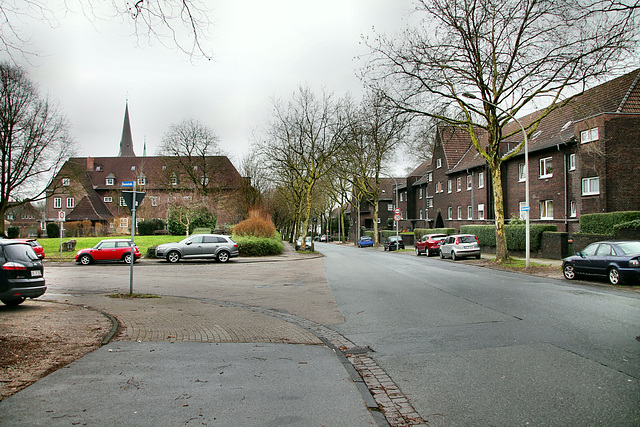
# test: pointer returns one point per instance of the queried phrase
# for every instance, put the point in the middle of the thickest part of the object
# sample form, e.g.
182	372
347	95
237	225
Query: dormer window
142	180
173	180
133	167
66	182
110	181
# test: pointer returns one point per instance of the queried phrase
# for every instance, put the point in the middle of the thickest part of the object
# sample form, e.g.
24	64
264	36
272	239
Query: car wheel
85	260
223	256
13	302
127	258
417	252
568	272
173	256
441	255
614	276
453	256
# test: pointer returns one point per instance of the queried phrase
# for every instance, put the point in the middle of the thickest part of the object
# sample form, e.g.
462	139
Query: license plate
468	247
36	273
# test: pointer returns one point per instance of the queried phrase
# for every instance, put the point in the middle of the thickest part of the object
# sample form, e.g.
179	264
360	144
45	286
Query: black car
21	273
393	242
619	261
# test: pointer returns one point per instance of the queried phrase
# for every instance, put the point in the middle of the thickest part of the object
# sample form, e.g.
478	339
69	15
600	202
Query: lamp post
396	206
526	171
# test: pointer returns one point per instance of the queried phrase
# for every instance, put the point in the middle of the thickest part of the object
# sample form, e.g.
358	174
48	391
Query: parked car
108	250
393	242
365	241
459	246
618	261
214	246
429	244
37	247
307	246
21	273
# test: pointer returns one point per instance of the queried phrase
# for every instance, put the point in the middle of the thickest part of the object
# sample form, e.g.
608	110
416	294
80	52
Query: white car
214	246
459	246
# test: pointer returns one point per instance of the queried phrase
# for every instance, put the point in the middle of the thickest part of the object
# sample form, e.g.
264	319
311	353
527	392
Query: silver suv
460	245
215	246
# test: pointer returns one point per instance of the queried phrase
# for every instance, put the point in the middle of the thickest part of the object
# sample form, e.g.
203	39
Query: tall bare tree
506	53
303	141
34	140
180	23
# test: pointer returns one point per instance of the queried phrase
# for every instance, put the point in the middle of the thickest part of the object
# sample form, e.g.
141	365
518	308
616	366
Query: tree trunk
376	209
498	207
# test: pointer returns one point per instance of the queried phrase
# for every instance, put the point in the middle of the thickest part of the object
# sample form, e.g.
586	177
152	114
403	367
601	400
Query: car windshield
629	247
20	252
467	239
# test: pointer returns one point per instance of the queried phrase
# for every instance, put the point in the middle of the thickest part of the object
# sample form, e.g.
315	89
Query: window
481	211
70	202
133	168
99	168
57	203
439	187
108	199
449	212
590	186
546	167
420	193
195	168
481	180
438	163
66	182
546	209
430	202
154	200
110	181
124	222
122	202
430	177
449	186
459	212
572	162
589	135
142	180
390	207
574	209
187	198
204	180
522	174
378	220
173	180
469	212
401	197
421	214
522	213
458	184
469	182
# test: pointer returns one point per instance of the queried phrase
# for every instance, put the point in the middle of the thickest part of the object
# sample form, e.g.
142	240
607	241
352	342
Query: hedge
631	225
516	235
604	223
259	246
419	232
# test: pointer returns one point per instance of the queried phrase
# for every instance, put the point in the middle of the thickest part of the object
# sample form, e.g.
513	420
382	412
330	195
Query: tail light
634	262
13	266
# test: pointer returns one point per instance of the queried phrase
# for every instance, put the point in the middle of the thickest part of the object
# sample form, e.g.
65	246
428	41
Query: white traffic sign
61	216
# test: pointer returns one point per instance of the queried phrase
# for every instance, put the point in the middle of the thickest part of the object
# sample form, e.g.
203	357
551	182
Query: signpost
132	200
62	218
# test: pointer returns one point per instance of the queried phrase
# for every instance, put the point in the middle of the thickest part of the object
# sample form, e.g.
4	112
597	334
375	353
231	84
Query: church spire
126	142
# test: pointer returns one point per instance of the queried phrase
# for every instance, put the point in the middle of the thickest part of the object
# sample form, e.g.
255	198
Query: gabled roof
90	208
455	142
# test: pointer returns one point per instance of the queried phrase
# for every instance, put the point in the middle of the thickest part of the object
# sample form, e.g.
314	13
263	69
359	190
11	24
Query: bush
13	232
604	223
631	225
516	235
259	246
53	230
147	228
200	218
256	227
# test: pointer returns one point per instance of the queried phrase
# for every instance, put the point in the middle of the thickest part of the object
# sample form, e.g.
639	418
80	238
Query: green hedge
259	246
516	235
419	232
631	225
604	223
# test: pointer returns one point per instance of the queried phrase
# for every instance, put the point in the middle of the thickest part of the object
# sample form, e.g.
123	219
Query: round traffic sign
61	215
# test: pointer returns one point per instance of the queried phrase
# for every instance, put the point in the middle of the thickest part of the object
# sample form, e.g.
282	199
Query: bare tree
506	53
304	139
34	140
181	23
191	153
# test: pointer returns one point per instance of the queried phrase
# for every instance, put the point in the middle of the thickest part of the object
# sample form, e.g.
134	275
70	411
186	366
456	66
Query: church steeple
126	142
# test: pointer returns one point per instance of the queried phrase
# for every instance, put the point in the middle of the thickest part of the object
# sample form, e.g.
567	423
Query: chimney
89	163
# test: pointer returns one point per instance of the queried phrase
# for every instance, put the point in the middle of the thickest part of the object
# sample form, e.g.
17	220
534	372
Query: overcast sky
262	50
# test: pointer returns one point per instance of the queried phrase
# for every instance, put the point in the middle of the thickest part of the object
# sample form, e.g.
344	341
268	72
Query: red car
429	244
108	250
37	248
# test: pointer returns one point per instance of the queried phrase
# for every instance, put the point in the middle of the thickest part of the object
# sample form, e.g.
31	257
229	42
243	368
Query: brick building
582	159
89	188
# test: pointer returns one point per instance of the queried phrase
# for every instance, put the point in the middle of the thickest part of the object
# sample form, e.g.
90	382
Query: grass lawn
52	246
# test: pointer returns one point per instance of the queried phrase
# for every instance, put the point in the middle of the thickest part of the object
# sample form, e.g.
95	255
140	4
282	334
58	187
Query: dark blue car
619	261
365	241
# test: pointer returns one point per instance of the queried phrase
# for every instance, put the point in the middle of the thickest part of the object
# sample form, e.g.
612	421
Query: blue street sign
127	183
524	209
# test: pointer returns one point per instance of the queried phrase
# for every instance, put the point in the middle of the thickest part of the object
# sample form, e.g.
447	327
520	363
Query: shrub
199	218
631	225
256	227
604	223
516	235
53	230
13	232
147	228
259	246
419	232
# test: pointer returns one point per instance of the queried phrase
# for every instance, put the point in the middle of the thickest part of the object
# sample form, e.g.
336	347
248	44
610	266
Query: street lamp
526	171
397	206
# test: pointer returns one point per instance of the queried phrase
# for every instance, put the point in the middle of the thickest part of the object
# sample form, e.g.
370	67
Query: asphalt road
474	346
